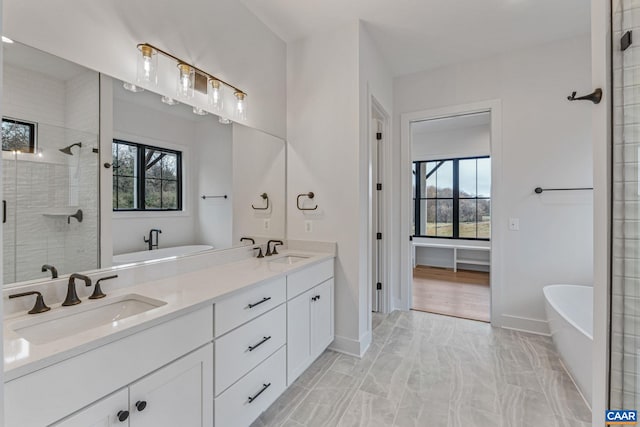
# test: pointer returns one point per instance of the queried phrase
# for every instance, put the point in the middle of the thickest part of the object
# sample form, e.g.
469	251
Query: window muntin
146	178
454	198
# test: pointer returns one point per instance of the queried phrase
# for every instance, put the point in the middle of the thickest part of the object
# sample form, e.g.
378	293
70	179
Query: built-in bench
460	252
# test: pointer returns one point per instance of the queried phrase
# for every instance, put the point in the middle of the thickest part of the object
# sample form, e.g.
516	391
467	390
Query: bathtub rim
547	289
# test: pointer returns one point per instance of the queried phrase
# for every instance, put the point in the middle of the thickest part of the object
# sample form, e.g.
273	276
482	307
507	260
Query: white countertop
182	293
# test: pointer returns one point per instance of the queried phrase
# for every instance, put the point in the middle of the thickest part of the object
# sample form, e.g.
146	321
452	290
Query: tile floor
424	369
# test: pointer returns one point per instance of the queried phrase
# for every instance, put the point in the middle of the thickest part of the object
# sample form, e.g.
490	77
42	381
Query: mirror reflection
182	181
49	164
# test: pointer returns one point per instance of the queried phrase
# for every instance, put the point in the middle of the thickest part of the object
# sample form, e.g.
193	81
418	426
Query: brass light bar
197	70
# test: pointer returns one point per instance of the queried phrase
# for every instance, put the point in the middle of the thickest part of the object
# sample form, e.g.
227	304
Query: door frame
494	107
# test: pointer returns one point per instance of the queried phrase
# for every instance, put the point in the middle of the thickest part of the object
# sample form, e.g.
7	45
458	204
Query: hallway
429	370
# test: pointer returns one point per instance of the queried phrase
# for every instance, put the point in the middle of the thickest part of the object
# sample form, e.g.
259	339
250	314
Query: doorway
451	159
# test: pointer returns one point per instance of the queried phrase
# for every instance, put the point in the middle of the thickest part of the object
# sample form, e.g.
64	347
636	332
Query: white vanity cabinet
309	316
78	383
180	394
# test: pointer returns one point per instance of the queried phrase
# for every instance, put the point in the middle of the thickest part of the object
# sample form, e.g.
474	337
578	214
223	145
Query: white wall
221	37
213	161
328	77
258	167
455	143
546	142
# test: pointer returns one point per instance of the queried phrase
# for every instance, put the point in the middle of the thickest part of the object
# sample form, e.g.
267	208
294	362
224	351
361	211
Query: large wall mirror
182	181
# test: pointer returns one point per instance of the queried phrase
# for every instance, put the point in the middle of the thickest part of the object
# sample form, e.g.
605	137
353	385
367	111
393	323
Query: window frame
418	232
33	133
141	178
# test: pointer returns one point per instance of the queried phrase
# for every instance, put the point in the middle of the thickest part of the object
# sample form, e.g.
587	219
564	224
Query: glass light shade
214	90
186	81
132	88
241	106
169	101
199	111
148	66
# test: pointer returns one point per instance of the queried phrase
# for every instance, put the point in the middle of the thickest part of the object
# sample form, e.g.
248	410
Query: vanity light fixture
148	66
192	79
6	39
223	120
132	88
199	111
241	106
169	101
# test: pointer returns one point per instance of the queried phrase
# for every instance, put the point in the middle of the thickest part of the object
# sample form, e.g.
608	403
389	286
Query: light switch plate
267	224
308	228
514	224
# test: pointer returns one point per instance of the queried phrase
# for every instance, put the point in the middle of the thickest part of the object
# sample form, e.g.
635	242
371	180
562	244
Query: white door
321	318
298	335
180	394
111	411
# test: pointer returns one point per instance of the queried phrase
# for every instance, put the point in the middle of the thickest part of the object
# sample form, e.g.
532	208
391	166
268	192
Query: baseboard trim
524	324
350	346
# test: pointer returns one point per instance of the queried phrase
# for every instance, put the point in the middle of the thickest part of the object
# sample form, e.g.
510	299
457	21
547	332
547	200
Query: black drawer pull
265	299
255	396
253	347
122	416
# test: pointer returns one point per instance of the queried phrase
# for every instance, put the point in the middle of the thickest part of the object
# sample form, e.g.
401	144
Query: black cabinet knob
140	405
123	415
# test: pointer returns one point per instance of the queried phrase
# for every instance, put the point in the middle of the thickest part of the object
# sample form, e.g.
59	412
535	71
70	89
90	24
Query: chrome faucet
72	295
150	239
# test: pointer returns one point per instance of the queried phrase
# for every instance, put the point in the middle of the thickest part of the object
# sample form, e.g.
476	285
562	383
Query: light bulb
241	105
148	65
214	89
186	81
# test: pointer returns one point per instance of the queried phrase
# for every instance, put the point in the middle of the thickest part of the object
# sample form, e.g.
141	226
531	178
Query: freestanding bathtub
570	314
141	256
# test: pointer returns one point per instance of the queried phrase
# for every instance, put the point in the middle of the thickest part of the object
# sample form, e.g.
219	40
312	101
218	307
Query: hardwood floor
463	294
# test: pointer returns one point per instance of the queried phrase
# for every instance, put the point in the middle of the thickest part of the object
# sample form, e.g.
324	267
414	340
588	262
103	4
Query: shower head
67	150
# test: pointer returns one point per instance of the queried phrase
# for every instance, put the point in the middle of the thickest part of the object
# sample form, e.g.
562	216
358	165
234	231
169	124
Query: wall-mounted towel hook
595	96
264	197
309	195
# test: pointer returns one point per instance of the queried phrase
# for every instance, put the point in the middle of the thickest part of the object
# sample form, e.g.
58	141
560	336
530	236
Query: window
146	178
452	198
18	135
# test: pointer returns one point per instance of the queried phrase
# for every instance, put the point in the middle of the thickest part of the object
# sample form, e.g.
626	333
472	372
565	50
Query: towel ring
264	197
309	195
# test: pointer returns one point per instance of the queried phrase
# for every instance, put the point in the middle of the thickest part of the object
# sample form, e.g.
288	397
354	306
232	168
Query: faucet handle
39	306
97	291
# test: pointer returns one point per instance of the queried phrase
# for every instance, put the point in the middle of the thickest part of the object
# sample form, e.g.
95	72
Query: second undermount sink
64	322
289	259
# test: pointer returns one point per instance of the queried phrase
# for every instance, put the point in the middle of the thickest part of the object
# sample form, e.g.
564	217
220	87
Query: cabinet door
180	394
321	317
298	336
103	413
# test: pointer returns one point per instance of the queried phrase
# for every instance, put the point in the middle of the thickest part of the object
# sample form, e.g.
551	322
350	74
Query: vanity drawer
246	305
242	349
243	402
302	281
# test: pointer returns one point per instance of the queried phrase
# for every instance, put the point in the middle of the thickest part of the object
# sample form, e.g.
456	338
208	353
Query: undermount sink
64	322
289	259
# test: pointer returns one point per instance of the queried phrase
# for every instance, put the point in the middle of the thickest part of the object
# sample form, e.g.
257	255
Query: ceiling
417	35
23	56
451	123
